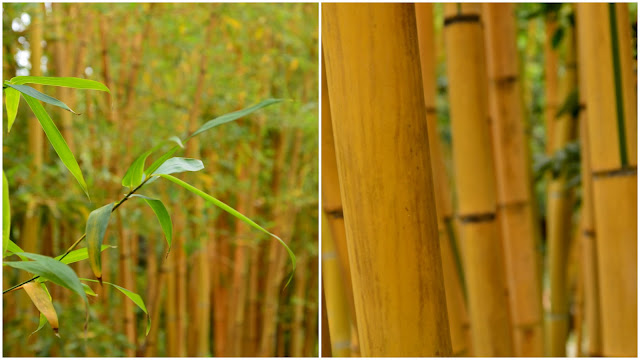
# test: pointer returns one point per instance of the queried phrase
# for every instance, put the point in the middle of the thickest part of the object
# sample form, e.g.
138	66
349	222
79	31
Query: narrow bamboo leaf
88	290
159	161
235	213
57	141
234	116
96	227
79	255
51	269
6	214
29	91
135	174
176	140
42	300
163	216
41	323
12	99
72	82
13	249
178	165
134	297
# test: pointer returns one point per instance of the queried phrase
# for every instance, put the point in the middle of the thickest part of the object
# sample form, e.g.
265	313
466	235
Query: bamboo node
462	18
474	218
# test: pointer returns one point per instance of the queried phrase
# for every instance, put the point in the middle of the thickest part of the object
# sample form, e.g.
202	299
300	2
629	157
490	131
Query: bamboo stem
376	91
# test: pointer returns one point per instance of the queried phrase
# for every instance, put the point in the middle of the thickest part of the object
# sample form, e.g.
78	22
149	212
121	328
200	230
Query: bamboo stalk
375	90
475	182
514	197
611	134
325	350
456	307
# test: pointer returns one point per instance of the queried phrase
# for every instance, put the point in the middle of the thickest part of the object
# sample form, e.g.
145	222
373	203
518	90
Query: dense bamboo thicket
368	49
529	118
220	290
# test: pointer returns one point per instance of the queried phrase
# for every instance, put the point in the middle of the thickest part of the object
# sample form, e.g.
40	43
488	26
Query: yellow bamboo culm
515	210
456	307
589	262
475	182
612	137
378	115
559	205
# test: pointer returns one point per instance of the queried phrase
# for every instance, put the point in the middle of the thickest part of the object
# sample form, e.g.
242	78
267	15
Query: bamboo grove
220	290
479	179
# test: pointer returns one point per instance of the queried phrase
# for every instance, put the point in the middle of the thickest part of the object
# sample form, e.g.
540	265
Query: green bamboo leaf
178	165
53	270
12	99
80	254
6	214
88	290
234	116
176	140
41	324
96	227
29	91
135	174
57	141
163	216
134	297
13	249
235	213
71	82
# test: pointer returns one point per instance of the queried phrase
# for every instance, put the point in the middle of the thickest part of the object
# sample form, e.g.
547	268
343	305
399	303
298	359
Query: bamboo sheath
475	182
332	206
514	197
456	307
378	112
589	255
612	137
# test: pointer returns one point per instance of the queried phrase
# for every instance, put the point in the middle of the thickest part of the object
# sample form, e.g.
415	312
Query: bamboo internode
475	181
515	211
378	116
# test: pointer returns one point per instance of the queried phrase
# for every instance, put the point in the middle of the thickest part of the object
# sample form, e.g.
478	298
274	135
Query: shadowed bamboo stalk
475	182
456	307
612	138
514	197
378	117
559	208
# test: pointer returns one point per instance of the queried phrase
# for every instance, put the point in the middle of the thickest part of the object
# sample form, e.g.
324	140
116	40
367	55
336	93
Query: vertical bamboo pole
514	213
456	307
612	140
378	112
325	350
298	301
475	182
589	270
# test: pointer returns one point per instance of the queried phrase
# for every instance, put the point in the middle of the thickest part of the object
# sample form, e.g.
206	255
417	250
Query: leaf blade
234	116
12	101
96	228
163	217
42	300
71	82
29	91
79	255
49	268
57	141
